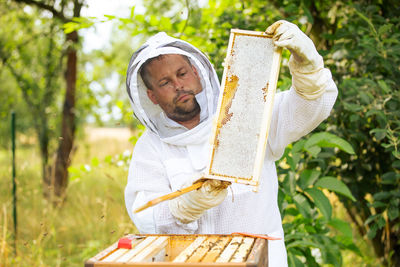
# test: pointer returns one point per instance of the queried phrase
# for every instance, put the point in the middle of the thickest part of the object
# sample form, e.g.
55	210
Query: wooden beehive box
185	250
244	109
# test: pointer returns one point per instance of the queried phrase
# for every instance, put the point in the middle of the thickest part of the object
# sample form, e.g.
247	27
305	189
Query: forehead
167	61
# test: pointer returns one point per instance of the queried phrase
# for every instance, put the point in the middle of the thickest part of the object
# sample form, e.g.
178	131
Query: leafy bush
366	56
305	208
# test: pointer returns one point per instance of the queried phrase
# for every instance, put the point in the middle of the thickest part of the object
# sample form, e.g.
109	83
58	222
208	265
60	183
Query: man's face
174	85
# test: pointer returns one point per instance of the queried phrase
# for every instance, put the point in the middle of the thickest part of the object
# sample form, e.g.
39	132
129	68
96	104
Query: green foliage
335	185
327	140
105	92
365	58
304	205
81	23
30	74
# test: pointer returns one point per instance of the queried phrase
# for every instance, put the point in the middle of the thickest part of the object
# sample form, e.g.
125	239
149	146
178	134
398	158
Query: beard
184	111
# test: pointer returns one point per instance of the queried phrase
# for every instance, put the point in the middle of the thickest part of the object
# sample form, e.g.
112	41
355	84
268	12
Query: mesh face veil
150	114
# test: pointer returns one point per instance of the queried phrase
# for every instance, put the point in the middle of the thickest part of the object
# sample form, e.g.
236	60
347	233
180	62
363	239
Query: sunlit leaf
321	201
342	226
333	184
325	139
308	177
302	205
313	150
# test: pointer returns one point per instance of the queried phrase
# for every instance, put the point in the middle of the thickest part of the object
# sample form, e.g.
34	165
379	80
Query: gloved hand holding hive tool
191	206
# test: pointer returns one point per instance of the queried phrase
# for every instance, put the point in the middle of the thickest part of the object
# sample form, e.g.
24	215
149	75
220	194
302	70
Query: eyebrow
165	78
181	68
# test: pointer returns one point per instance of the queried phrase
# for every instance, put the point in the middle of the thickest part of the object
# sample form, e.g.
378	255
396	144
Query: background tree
11	40
33	58
106	71
56	175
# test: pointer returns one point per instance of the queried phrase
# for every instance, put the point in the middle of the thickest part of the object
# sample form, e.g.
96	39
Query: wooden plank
243	250
185	254
203	249
169	196
259	254
132	252
137	249
145	243
226	255
101	255
252	33
151	250
217	249
267	114
121	252
160	256
177	244
115	255
230	179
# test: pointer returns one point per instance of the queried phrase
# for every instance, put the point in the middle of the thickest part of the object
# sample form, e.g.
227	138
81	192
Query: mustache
183	92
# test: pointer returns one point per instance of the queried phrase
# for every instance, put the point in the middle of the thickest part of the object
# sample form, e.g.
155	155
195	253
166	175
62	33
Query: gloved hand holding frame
245	108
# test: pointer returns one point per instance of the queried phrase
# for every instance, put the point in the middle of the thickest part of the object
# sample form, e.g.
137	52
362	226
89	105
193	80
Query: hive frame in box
229	90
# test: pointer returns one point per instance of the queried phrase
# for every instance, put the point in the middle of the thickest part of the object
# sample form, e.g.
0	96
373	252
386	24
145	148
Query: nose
178	85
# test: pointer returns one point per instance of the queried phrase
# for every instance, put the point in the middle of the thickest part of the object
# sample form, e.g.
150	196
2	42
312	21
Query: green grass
92	217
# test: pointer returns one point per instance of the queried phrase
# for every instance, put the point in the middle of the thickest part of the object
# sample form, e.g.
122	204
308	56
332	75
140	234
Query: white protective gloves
305	64
190	206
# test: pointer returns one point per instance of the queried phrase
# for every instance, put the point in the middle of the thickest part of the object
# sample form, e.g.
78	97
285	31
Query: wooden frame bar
190	249
151	250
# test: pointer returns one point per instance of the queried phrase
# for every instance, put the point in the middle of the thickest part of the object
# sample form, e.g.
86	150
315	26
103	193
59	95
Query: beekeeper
174	92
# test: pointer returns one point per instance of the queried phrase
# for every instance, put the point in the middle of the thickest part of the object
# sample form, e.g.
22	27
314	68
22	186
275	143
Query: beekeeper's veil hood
150	114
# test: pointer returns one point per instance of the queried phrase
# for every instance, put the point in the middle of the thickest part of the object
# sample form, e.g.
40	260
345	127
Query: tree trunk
59	175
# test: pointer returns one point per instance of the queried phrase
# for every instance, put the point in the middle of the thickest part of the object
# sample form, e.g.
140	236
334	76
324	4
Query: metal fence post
14	184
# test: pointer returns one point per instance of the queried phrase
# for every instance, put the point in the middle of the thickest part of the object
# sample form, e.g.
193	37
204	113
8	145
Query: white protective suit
167	155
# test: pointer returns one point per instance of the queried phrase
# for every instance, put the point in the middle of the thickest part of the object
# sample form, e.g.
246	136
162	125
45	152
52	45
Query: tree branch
56	13
187	19
51	69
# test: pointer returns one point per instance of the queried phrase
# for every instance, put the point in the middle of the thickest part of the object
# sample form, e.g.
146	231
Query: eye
164	83
182	74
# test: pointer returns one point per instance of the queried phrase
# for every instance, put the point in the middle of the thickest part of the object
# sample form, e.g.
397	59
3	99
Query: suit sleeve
294	116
